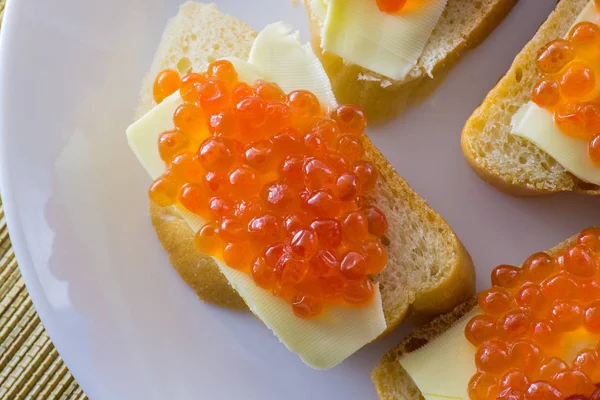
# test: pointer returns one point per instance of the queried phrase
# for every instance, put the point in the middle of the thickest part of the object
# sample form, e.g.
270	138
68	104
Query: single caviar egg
166	83
584	35
391	6
546	93
594	150
280	184
578	80
554	56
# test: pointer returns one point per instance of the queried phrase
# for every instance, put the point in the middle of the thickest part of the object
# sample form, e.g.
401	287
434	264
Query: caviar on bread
281	183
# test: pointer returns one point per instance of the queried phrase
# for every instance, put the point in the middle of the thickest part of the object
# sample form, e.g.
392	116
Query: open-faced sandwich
268	195
384	54
534	335
538	131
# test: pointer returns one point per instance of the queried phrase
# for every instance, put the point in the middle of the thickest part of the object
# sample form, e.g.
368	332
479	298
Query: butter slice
322	342
537	125
443	368
282	59
388	44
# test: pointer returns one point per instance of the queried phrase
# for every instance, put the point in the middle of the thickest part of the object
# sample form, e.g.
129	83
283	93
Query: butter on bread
429	270
463	25
391	381
511	163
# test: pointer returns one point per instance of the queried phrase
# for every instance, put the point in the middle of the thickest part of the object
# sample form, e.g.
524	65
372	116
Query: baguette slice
511	163
391	381
463	25
428	267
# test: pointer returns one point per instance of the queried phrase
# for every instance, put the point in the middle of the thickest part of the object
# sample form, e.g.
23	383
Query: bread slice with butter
393	382
512	163
428	271
463	24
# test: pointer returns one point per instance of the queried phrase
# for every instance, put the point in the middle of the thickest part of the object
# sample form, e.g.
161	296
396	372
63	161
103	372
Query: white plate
75	199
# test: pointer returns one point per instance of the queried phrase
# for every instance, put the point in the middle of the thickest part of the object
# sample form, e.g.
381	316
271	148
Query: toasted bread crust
382	102
514	89
390	378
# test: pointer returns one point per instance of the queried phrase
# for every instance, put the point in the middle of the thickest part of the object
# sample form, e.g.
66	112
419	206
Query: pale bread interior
463	25
428	267
509	162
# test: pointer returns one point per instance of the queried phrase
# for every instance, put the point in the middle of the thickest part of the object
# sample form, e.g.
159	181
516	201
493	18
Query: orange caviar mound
282	184
569	86
538	334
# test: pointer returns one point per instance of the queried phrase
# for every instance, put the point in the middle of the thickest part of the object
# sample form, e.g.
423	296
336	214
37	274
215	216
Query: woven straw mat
30	367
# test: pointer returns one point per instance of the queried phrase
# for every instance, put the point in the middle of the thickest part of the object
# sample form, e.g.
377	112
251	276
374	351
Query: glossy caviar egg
222	70
282	186
359	292
171	143
570	121
391	6
555	55
481	329
594	150
207	239
570	382
584	35
268	91
163	191
166	83
590	239
350	119
193	198
189	118
577	80
186	167
484	386
189	87
495	301
353	266
546	93
506	276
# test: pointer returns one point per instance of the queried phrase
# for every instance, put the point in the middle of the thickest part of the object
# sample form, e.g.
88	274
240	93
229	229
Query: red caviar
570	82
282	185
531	323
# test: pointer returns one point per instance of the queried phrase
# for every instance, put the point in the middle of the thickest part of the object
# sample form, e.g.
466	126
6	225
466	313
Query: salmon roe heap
282	185
570	70
538	334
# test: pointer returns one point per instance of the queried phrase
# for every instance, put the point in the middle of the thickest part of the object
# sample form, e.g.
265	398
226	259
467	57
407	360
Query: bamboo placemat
30	367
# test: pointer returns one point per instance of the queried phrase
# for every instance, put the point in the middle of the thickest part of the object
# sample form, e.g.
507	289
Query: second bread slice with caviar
392	381
428	270
509	162
463	25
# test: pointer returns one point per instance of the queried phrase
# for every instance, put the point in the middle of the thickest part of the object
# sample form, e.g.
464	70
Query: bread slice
391	381
428	267
463	25
509	162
